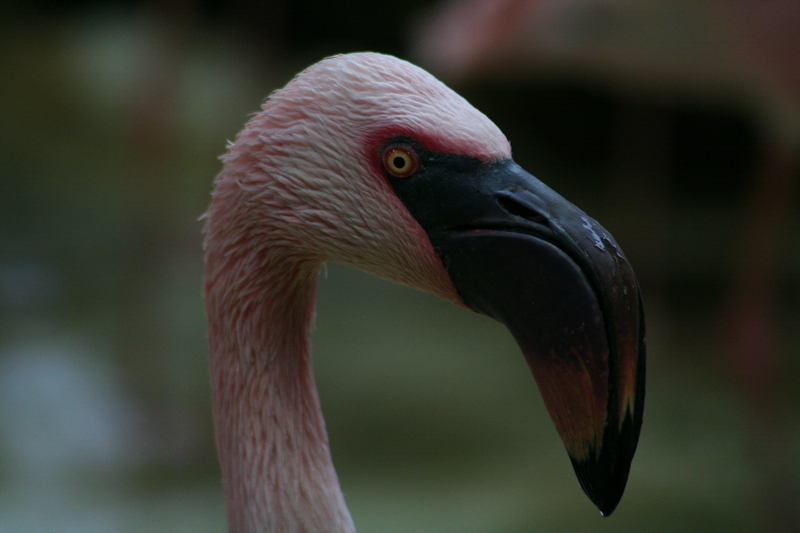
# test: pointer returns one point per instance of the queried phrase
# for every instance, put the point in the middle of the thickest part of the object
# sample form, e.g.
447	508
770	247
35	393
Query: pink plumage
314	177
300	186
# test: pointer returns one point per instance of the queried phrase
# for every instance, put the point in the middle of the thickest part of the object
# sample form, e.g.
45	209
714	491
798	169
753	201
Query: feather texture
301	185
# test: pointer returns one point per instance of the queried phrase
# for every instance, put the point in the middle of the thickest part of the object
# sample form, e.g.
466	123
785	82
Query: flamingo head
367	160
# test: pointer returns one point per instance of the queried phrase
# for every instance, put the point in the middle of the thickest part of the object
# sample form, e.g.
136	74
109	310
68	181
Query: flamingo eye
400	162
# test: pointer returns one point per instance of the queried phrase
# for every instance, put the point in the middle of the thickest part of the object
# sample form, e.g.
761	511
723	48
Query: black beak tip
603	475
606	508
603	488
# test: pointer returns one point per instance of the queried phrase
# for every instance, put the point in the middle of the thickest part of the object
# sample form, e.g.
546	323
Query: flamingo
369	161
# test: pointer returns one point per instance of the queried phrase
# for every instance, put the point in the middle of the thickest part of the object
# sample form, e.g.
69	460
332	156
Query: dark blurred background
675	124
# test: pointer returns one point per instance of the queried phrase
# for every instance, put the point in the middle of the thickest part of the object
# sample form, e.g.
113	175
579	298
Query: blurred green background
657	123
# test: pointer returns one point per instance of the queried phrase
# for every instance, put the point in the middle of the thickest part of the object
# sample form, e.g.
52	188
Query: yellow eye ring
400	162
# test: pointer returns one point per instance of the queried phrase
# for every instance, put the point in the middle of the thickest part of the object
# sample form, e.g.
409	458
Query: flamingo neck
273	448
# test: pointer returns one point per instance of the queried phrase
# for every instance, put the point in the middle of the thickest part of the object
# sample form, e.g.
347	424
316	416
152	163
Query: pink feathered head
305	172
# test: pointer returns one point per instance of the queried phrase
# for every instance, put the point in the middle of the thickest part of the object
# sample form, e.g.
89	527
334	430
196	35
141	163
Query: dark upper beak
518	252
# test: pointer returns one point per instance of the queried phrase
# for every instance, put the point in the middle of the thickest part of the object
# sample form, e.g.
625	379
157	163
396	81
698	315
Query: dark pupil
399	162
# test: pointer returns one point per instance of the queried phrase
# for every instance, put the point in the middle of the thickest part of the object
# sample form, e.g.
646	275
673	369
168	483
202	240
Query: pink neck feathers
300	187
277	472
273	448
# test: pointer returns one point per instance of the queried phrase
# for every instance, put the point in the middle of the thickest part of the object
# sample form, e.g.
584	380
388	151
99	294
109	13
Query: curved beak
518	252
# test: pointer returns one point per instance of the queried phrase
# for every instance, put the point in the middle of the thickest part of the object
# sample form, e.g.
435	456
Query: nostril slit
523	211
